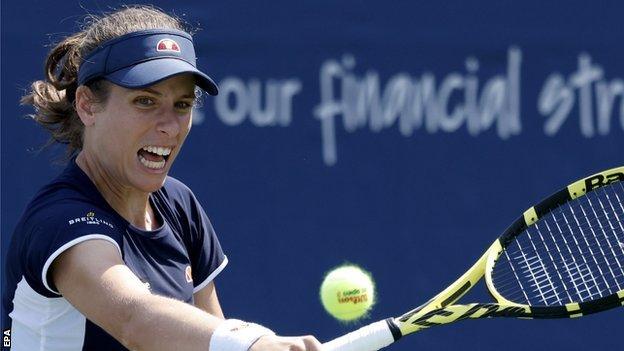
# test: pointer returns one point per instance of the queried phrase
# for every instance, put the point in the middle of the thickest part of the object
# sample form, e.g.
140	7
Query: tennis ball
348	293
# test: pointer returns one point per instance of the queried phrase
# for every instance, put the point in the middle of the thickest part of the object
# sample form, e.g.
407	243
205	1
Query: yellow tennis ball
348	293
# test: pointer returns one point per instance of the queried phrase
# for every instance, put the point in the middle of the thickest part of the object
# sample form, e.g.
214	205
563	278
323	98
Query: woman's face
136	134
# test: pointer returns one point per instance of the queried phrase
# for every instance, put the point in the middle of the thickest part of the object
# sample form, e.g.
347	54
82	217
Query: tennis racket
563	258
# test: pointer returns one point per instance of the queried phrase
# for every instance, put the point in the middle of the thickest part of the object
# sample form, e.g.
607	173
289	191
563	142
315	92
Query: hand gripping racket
563	258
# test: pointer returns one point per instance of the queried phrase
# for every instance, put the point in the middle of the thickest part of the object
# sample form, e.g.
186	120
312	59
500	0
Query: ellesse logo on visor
167	45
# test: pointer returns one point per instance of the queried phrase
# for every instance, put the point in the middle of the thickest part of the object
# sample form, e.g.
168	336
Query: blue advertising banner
401	136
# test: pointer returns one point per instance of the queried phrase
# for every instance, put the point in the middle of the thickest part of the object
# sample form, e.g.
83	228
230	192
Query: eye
184	105
144	101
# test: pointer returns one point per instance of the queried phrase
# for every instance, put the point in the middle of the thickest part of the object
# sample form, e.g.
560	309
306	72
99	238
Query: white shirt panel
43	323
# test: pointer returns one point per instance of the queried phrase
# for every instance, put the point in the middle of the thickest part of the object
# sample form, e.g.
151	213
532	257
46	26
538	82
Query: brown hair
53	98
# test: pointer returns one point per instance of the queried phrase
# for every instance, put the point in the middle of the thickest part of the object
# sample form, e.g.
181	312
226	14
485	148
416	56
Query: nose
170	123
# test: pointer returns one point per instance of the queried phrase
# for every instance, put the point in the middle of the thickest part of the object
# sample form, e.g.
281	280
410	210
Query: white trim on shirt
211	276
60	250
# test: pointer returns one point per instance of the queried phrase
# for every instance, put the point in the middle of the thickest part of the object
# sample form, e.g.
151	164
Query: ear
85	105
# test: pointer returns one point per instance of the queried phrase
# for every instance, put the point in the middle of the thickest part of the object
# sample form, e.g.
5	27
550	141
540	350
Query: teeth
152	164
162	151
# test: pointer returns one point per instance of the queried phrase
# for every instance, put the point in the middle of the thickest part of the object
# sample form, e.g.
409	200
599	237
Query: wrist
236	335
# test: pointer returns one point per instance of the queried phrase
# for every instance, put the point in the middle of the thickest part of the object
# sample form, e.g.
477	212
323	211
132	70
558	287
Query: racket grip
372	337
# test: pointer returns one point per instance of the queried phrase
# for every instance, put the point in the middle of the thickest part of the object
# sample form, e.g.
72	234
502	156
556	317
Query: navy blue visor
144	58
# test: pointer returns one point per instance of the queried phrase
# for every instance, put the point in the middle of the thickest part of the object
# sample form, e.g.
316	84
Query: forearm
160	323
93	279
206	299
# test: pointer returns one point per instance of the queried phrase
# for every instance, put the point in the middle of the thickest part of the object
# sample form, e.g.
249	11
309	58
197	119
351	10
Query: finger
311	343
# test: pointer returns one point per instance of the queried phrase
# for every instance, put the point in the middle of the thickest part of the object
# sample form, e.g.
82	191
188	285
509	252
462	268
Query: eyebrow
152	91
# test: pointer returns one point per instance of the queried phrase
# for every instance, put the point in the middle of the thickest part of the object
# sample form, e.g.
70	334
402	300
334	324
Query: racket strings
554	299
596	244
616	206
567	260
575	253
584	288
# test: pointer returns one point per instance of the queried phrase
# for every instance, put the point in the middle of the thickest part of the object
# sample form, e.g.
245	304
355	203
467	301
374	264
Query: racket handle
372	337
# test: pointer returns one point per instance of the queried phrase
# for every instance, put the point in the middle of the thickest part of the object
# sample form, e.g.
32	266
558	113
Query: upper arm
207	300
94	279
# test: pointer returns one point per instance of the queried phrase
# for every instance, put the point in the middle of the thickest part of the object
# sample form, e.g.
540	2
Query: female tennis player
113	254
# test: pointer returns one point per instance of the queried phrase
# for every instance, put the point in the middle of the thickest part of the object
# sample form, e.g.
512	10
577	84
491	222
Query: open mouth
154	157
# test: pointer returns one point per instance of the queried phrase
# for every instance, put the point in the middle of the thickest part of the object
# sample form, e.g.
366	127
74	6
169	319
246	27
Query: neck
133	205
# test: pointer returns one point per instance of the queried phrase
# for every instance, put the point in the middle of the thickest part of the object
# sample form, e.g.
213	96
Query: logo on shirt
188	275
90	218
147	285
167	45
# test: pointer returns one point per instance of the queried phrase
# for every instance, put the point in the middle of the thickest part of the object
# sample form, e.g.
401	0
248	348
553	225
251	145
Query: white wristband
236	335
